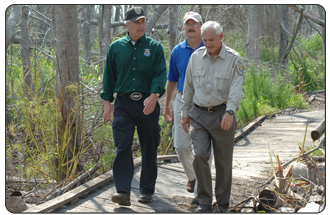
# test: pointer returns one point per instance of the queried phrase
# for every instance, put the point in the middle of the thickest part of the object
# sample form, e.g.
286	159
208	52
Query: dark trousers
128	114
206	130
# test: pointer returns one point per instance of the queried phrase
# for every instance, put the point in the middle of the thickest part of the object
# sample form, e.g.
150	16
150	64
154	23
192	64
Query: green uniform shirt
134	68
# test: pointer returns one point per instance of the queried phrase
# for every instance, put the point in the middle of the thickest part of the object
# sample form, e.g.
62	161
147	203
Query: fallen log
269	200
318	131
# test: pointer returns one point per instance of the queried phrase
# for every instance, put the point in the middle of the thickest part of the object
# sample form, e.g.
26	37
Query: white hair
211	25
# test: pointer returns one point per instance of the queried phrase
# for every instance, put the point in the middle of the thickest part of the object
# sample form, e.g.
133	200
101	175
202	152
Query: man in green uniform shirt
135	69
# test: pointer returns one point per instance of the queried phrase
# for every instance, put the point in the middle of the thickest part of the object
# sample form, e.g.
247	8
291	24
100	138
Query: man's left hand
227	121
150	104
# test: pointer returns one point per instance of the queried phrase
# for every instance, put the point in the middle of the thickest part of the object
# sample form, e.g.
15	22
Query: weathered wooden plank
251	125
101	205
85	188
72	195
101	202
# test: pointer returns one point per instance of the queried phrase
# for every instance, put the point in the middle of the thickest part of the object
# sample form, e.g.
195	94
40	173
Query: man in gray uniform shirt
213	84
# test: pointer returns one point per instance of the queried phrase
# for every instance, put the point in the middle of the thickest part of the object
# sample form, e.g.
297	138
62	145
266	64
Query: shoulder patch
239	68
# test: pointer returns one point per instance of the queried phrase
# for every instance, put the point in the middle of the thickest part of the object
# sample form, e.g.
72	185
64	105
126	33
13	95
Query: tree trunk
173	25
86	29
284	38
254	37
94	32
25	50
67	73
11	23
104	32
10	34
117	16
157	13
322	16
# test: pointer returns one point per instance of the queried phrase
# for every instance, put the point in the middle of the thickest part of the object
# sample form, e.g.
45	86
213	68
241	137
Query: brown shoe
122	199
191	186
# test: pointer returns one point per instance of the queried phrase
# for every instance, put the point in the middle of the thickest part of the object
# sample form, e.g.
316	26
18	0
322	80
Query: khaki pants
183	144
206	128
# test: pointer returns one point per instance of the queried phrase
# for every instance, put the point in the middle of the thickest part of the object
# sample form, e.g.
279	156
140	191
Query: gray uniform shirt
212	81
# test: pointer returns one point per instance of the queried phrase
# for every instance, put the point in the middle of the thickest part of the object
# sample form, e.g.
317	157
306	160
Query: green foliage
165	137
234	40
311	64
313	45
263	94
103	145
47	141
269	53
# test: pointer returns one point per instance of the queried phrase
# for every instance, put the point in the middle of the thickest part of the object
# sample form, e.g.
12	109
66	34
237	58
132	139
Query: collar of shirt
222	53
185	44
140	41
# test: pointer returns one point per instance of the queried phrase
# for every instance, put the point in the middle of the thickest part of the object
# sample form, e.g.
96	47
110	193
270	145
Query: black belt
136	96
211	109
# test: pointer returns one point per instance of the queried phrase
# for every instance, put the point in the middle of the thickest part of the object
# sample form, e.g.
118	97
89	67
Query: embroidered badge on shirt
147	52
240	69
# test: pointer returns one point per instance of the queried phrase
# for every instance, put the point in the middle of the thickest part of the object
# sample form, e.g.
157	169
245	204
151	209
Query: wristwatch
231	112
157	94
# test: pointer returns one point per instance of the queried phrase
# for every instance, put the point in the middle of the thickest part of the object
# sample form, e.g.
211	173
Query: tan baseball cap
192	15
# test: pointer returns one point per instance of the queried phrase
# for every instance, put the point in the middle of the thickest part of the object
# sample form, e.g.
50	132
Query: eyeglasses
192	24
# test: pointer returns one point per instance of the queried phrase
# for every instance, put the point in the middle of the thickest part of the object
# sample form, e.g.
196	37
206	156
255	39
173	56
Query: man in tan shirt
213	84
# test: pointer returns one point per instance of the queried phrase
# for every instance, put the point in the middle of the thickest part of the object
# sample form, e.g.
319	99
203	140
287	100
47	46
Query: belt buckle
209	109
136	96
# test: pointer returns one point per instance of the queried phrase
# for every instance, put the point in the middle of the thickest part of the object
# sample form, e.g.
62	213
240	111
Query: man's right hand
108	110
167	114
185	124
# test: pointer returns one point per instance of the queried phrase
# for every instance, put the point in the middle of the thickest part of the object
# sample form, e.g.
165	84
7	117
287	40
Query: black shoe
204	209
195	201
145	198
122	199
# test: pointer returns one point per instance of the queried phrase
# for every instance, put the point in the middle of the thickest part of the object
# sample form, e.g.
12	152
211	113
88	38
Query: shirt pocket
146	67
198	76
222	82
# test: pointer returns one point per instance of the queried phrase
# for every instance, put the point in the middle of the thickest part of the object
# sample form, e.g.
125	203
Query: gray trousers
206	128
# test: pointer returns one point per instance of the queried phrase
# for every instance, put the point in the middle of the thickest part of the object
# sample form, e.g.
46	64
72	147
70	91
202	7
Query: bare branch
313	18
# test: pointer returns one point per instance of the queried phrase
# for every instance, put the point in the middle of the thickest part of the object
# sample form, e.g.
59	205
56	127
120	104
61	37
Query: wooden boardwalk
251	167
